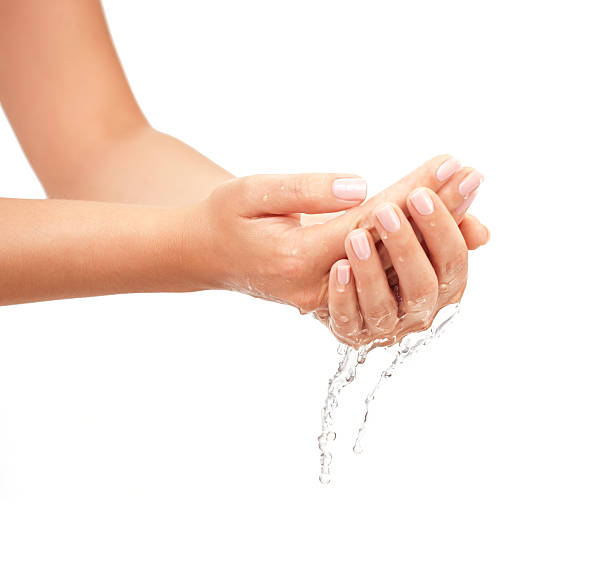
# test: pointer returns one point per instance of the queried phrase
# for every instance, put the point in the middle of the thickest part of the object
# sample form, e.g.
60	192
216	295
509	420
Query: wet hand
367	304
249	235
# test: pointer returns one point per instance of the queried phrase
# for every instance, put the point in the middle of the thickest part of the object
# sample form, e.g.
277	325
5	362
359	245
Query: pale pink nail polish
447	169
470	183
463	206
422	201
361	245
343	274
354	189
388	218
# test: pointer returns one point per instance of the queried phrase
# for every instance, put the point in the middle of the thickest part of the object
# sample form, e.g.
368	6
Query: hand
257	244
366	304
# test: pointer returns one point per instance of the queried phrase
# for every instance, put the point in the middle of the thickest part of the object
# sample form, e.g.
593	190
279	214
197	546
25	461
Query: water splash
408	347
347	370
346	373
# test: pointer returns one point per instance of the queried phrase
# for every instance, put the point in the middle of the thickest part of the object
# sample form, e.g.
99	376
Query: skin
424	281
132	209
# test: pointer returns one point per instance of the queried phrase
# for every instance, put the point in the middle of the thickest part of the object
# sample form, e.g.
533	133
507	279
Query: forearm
54	249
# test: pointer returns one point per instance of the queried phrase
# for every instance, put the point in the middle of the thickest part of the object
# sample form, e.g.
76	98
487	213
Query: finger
418	283
460	192
435	173
269	194
447	249
345	317
376	300
475	233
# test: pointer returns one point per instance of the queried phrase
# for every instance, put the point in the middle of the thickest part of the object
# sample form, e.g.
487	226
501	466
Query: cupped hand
248	235
367	304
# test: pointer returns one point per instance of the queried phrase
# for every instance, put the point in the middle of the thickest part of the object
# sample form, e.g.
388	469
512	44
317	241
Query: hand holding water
421	265
248	236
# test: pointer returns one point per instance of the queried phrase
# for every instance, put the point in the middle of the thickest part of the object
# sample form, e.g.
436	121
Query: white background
181	428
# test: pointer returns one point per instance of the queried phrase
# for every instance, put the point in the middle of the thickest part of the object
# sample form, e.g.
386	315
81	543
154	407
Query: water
347	371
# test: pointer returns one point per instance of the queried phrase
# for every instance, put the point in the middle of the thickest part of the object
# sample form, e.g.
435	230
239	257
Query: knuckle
291	267
418	309
343	323
381	317
426	291
456	264
245	184
299	187
292	259
454	276
230	190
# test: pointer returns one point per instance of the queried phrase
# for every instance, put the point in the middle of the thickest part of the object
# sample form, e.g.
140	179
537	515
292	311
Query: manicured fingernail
350	188
361	245
422	201
470	183
463	206
343	274
388	218
447	169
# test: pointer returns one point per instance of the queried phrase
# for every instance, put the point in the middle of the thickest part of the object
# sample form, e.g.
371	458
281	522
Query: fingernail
361	245
447	169
470	183
422	201
388	218
350	188
463	206
343	274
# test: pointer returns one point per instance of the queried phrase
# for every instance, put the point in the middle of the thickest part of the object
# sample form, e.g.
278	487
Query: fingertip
475	233
358	243
435	162
350	190
448	166
421	199
341	273
388	216
484	231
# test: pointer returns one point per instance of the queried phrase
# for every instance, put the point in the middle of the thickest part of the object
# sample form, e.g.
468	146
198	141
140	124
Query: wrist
193	255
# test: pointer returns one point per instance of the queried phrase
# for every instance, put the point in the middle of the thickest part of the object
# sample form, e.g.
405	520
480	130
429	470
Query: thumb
282	194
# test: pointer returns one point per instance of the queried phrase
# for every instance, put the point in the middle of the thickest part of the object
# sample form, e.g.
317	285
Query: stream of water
347	370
